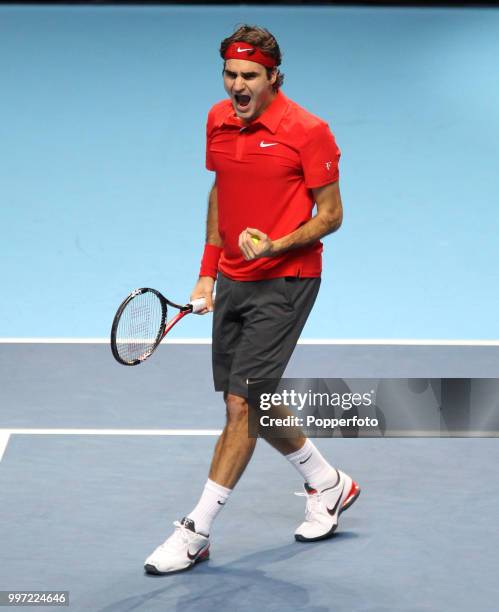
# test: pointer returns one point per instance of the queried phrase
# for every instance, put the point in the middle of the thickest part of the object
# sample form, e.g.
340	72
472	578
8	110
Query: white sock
209	505
314	469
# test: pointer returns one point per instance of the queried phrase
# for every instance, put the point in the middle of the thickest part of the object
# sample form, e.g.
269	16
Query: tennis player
273	161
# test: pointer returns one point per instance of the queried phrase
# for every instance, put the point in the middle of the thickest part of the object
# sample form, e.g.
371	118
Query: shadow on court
241	585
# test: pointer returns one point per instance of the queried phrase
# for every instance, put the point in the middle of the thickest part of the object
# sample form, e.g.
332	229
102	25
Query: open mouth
242	101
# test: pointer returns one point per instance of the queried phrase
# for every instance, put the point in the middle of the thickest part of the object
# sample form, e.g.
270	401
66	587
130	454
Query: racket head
138	326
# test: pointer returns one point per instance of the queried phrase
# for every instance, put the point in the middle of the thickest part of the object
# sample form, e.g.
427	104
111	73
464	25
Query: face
248	87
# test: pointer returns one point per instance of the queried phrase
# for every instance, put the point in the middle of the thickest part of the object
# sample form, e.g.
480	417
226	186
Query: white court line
303	341
4	440
6	433
109	432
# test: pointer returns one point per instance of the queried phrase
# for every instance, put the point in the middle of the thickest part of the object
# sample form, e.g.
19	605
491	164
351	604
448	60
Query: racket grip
198	305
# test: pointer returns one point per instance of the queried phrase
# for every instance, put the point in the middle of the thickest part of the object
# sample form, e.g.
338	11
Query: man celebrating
273	161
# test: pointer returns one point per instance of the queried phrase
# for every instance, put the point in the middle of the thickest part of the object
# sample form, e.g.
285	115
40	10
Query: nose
239	83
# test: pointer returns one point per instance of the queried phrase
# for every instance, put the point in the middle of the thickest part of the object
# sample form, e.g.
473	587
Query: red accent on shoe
205	554
354	491
309	489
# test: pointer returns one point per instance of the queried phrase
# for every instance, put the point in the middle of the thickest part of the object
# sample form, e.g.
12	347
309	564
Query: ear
273	76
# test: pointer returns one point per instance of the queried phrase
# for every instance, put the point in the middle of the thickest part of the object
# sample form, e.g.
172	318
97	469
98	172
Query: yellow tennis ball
255	239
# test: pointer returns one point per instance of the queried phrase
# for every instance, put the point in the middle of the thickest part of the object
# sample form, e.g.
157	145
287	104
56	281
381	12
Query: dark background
287	2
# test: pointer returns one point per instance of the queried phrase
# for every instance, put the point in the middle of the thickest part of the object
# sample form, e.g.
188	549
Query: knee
237	409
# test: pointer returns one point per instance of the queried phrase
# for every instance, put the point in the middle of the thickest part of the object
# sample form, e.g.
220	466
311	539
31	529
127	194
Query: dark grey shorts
256	326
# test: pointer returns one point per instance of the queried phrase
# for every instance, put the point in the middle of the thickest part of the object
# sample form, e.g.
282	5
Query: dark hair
261	38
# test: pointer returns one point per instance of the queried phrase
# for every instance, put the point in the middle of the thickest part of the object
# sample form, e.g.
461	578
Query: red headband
244	51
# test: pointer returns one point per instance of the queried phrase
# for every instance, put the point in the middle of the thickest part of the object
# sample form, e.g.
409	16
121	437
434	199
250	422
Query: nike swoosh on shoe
332	511
195	555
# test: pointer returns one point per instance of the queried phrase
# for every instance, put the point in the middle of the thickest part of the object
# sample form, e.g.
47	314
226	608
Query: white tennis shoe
324	507
180	551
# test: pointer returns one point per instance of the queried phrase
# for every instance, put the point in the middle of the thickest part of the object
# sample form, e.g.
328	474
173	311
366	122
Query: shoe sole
352	496
151	569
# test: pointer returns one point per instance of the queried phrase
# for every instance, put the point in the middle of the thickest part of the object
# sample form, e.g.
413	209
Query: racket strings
140	327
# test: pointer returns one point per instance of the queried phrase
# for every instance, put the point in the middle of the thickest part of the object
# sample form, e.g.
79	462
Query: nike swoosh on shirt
332	511
239	50
268	144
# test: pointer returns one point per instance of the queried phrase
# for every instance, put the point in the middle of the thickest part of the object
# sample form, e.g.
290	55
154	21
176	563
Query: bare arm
212	235
327	220
205	284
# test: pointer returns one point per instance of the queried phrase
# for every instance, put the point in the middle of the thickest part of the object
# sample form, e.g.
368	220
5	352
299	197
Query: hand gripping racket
140	324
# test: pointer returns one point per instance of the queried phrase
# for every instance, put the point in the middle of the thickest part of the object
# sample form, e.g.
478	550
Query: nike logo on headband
239	50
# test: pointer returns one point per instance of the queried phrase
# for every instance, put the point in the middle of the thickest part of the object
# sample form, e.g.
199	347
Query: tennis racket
140	324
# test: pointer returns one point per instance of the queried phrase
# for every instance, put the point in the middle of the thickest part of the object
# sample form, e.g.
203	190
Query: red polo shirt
264	175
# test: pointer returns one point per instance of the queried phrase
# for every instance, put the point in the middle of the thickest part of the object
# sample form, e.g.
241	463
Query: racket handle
198	305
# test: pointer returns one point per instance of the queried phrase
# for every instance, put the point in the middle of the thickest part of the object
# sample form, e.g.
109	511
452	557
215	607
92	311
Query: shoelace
313	502
178	539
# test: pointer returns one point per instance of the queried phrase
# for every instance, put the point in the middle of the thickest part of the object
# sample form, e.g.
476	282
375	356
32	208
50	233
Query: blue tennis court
104	189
